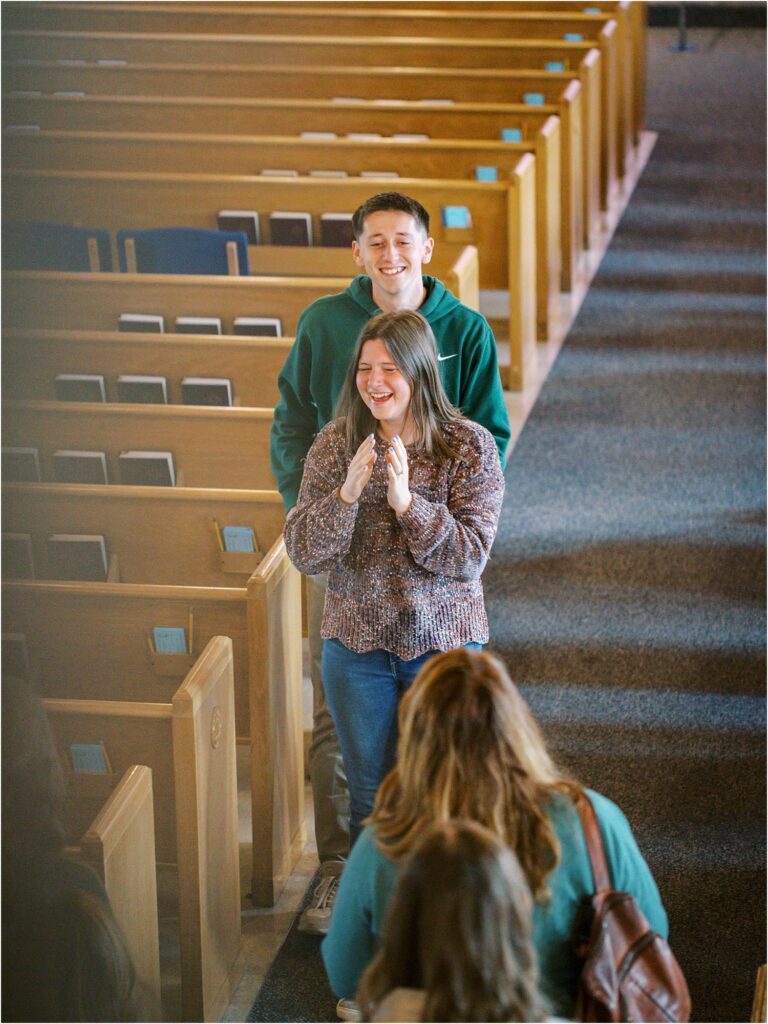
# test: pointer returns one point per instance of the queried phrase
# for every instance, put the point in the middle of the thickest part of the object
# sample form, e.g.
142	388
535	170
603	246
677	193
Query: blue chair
41	246
183	251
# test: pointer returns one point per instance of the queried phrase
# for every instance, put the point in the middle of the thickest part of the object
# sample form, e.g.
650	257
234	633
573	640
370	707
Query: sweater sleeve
350	943
454	539
295	422
482	396
319	528
629	870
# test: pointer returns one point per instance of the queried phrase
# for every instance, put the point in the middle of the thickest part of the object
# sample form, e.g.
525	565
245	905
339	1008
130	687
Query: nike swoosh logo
441	359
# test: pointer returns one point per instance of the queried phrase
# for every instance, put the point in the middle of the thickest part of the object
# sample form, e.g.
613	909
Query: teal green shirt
361	903
314	372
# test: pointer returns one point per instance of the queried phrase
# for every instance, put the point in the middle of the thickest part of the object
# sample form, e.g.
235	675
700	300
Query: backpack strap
595	846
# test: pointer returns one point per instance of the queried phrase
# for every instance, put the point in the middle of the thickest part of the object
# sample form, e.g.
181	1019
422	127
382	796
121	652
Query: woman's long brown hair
411	344
459	927
470	748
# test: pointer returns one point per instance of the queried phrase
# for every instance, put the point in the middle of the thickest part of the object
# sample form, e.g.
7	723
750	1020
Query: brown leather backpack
629	971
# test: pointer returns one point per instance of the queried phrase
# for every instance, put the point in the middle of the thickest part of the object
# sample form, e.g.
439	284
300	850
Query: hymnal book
240	220
77	467
336	229
318	135
410	137
80	387
534	99
379	174
279	172
456	217
69	92
573	37
290	227
437	102
26	92
114	61
238	538
21	465
328	174
365	136
141	323
554	65
89	758
70	62
170	639
148	469
511	135
11	128
198	325
206	391
77	556
132	387
15	655
18	561
259	326
487	173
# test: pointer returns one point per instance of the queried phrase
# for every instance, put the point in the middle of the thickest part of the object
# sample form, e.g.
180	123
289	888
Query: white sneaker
347	1009
316	918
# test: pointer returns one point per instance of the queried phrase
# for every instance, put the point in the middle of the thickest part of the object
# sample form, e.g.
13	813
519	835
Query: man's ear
357	256
428	247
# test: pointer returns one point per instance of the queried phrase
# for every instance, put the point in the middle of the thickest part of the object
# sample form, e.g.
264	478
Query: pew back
114	826
33	358
190	746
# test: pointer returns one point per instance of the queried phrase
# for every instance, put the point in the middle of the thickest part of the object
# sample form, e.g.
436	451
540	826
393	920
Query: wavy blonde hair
470	748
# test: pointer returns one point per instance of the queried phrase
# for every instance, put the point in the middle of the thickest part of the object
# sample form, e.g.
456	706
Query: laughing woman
400	500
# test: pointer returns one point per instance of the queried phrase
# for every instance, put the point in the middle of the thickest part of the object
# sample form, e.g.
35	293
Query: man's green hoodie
314	372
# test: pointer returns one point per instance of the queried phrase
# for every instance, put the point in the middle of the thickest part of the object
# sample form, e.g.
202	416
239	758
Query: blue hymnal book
534	99
487	173
554	65
238	538
170	639
573	37
456	217
511	135
592	10
89	757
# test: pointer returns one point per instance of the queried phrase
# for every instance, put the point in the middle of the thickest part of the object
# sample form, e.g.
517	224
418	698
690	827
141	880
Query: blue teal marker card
573	37
90	758
456	217
487	173
511	135
238	538
170	639
534	99
554	65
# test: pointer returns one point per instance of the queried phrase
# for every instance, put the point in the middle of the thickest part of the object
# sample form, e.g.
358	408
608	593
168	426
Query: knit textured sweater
407	583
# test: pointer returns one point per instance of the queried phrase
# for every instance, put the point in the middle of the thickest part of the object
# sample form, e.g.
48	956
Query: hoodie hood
438	303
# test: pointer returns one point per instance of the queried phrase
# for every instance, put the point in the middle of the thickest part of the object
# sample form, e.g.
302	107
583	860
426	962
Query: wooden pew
211	446
503	216
111	822
262	616
33	358
568	95
558	228
348	19
189	743
158	535
298	51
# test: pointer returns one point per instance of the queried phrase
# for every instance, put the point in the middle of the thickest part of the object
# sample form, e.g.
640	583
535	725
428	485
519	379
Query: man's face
392	250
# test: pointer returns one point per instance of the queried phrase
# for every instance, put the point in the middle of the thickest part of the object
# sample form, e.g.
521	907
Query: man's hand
359	472
398	494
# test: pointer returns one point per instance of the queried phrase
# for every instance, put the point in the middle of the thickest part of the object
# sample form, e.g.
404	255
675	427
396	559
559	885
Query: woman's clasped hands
361	468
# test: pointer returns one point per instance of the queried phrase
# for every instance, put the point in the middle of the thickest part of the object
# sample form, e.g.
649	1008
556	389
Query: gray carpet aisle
626	589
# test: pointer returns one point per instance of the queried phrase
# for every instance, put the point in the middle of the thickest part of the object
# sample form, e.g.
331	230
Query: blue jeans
363	693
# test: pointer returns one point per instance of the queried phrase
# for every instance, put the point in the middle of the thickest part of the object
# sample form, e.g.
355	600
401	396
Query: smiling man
392	245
